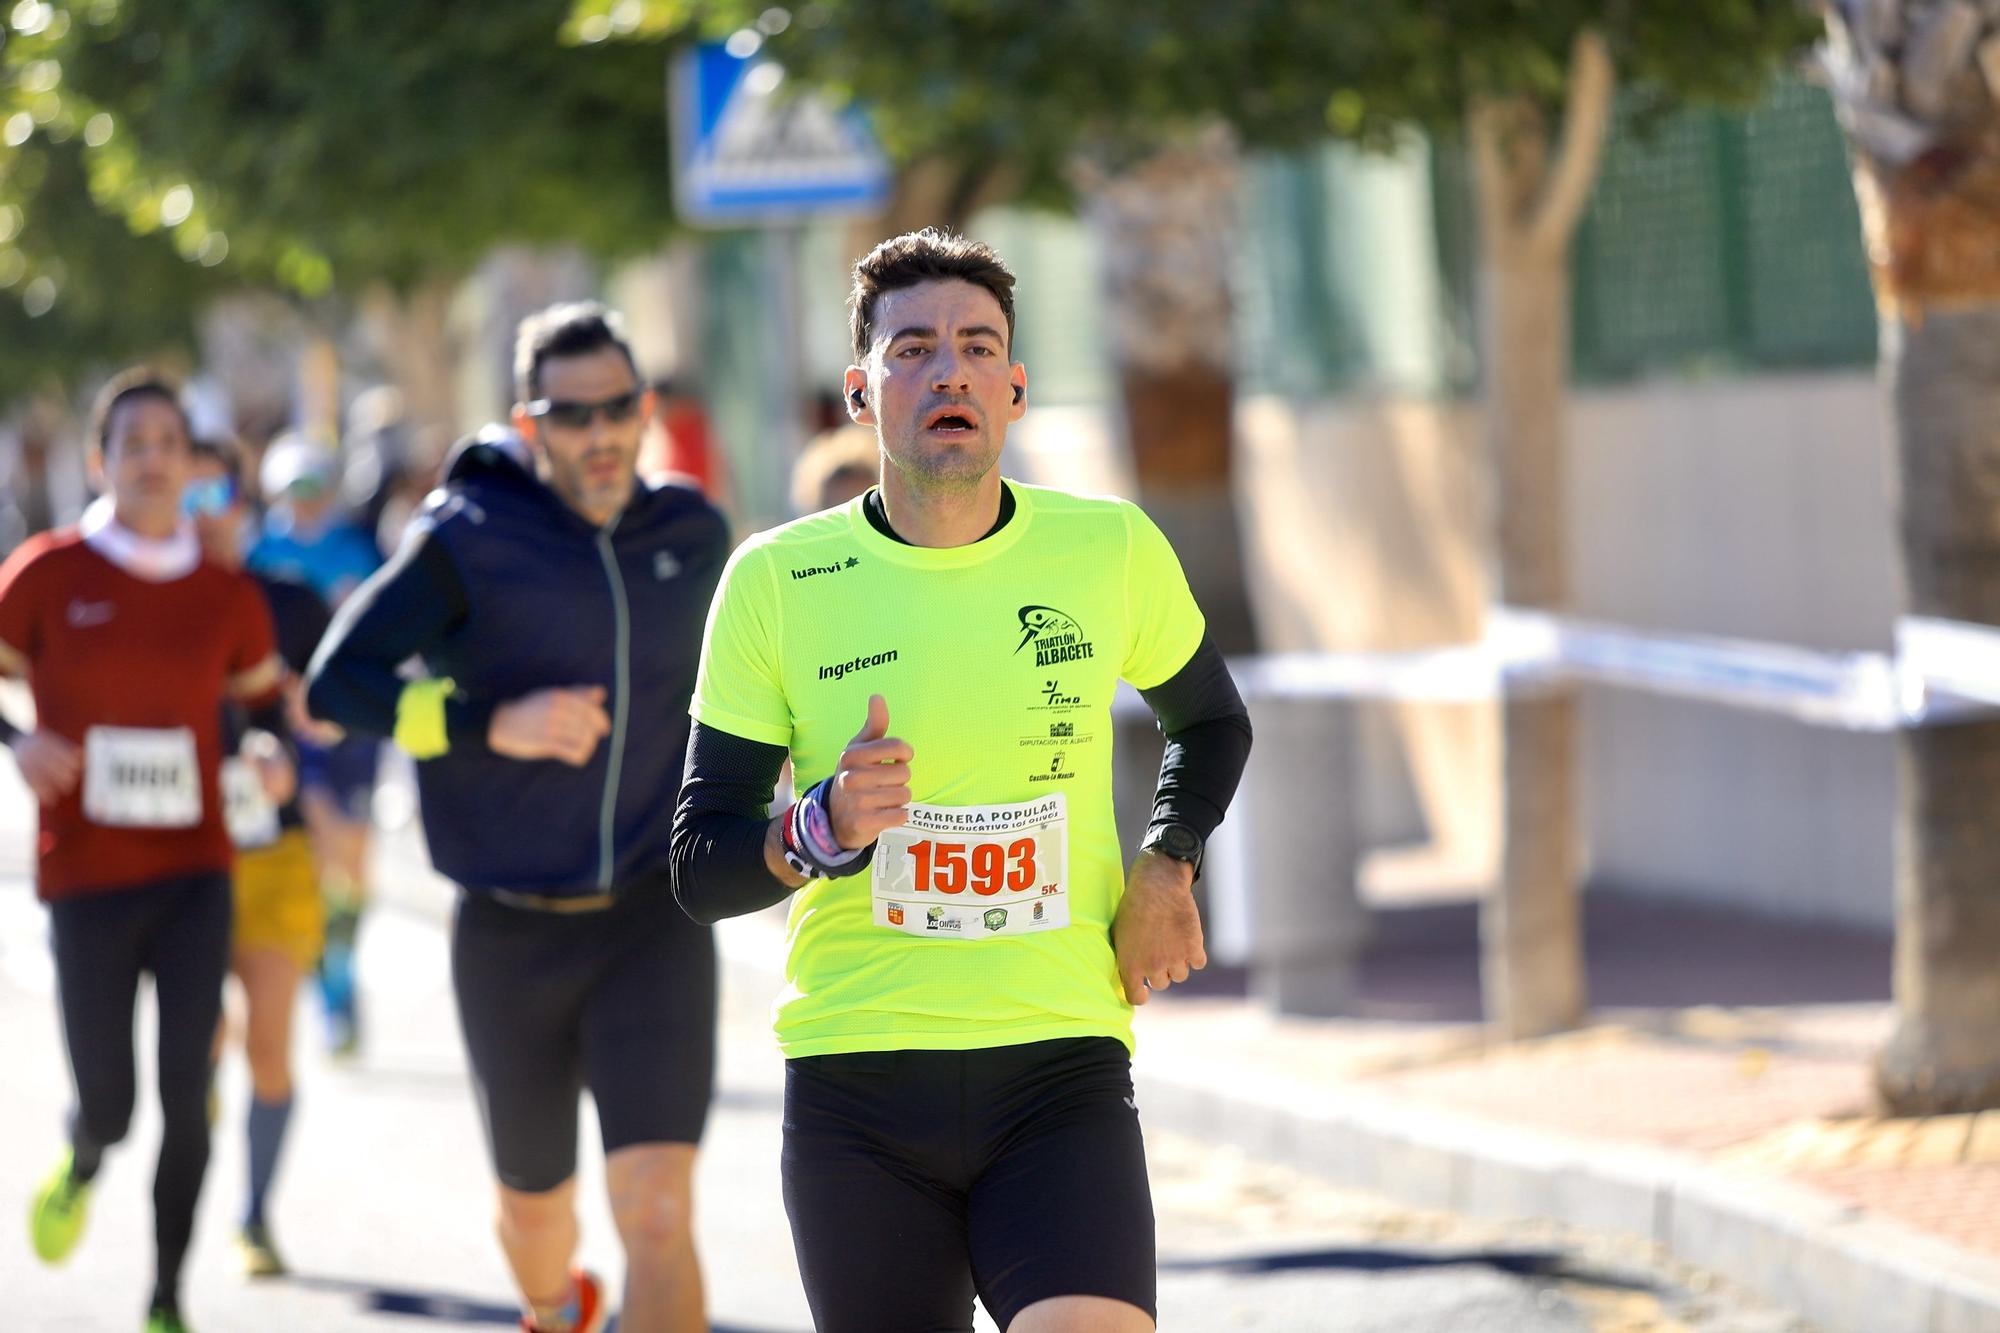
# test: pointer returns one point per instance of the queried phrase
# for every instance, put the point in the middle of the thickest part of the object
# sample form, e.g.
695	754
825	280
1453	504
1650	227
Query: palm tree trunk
1915	84
1530	197
1944	1054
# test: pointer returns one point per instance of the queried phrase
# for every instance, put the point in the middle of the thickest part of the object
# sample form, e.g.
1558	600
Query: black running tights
178	930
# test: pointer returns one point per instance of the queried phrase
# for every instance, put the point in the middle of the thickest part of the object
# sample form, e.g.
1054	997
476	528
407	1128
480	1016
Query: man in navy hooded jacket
557	602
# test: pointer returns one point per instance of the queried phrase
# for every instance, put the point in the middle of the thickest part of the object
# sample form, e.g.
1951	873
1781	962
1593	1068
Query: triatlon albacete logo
1057	637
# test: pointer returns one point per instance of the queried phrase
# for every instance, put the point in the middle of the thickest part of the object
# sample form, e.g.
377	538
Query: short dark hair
931	255
124	387
571	328
220	450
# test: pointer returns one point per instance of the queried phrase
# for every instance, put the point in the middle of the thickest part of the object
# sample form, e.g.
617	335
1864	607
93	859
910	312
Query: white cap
293	458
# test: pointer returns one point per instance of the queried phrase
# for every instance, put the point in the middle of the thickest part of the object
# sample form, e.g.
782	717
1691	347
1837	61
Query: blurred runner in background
308	539
557	602
132	641
280	920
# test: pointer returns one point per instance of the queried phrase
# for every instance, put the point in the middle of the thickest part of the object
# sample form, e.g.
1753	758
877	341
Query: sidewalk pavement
1718	1104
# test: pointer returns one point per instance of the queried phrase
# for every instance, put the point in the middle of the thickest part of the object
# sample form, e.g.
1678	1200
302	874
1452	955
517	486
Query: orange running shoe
586	1308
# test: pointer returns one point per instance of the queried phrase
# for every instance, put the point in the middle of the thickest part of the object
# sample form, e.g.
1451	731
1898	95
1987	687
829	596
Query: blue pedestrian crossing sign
748	149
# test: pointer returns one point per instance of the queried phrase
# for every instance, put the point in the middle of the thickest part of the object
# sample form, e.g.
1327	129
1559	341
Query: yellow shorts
277	899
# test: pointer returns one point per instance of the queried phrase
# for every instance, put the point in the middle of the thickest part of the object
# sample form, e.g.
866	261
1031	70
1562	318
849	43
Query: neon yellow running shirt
986	920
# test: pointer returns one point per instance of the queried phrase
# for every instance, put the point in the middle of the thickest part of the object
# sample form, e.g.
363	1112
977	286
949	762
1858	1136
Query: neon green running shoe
166	1321
62	1206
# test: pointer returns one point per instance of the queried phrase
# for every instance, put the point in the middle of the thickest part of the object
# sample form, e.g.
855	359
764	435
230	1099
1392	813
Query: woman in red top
130	641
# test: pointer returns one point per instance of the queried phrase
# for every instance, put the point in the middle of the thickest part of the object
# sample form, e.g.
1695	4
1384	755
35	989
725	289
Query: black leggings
178	930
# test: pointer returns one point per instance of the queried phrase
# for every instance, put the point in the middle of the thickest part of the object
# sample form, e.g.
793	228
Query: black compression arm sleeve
719	826
405	609
1208	741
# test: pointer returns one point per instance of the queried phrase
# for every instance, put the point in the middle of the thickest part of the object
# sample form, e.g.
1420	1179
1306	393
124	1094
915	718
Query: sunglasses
209	497
558	412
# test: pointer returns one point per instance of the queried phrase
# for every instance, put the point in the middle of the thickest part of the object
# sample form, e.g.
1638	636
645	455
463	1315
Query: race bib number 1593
975	871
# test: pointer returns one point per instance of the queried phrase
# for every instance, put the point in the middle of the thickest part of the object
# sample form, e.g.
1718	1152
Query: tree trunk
1531	929
419	351
1532	970
1944	1055
1917	87
1167	232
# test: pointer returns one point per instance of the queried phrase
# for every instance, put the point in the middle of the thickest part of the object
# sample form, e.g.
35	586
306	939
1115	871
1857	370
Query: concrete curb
1846	1272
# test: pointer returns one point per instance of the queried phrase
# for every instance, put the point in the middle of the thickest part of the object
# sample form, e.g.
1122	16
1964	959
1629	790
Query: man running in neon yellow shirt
965	945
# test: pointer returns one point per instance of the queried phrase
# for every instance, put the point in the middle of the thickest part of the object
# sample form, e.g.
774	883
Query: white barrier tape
1856	691
1947	667
1943	670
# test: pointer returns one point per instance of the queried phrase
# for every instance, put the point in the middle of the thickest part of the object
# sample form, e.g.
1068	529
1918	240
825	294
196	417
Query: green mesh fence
1714	241
1723	239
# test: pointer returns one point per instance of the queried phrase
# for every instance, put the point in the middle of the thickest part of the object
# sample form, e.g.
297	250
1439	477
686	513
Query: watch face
1177	842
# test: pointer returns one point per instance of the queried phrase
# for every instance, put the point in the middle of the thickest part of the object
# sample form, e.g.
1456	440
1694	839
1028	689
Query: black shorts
914	1179
620	1001
344	773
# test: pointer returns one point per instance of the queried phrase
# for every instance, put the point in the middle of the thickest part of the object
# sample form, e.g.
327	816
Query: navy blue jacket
506	590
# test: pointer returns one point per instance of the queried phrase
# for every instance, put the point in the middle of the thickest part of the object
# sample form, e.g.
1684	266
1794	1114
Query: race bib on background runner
247	810
141	777
974	872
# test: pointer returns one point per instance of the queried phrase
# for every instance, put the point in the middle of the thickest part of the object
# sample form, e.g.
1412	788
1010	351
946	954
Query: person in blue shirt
307	537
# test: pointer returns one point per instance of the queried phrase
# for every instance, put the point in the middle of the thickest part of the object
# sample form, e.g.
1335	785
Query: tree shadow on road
445	1307
1519	1263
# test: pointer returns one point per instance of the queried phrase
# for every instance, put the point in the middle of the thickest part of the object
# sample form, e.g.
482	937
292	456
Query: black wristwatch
1175	840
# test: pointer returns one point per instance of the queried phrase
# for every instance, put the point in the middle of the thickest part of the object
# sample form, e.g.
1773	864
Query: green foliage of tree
78	290
376	139
151	150
1033	82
